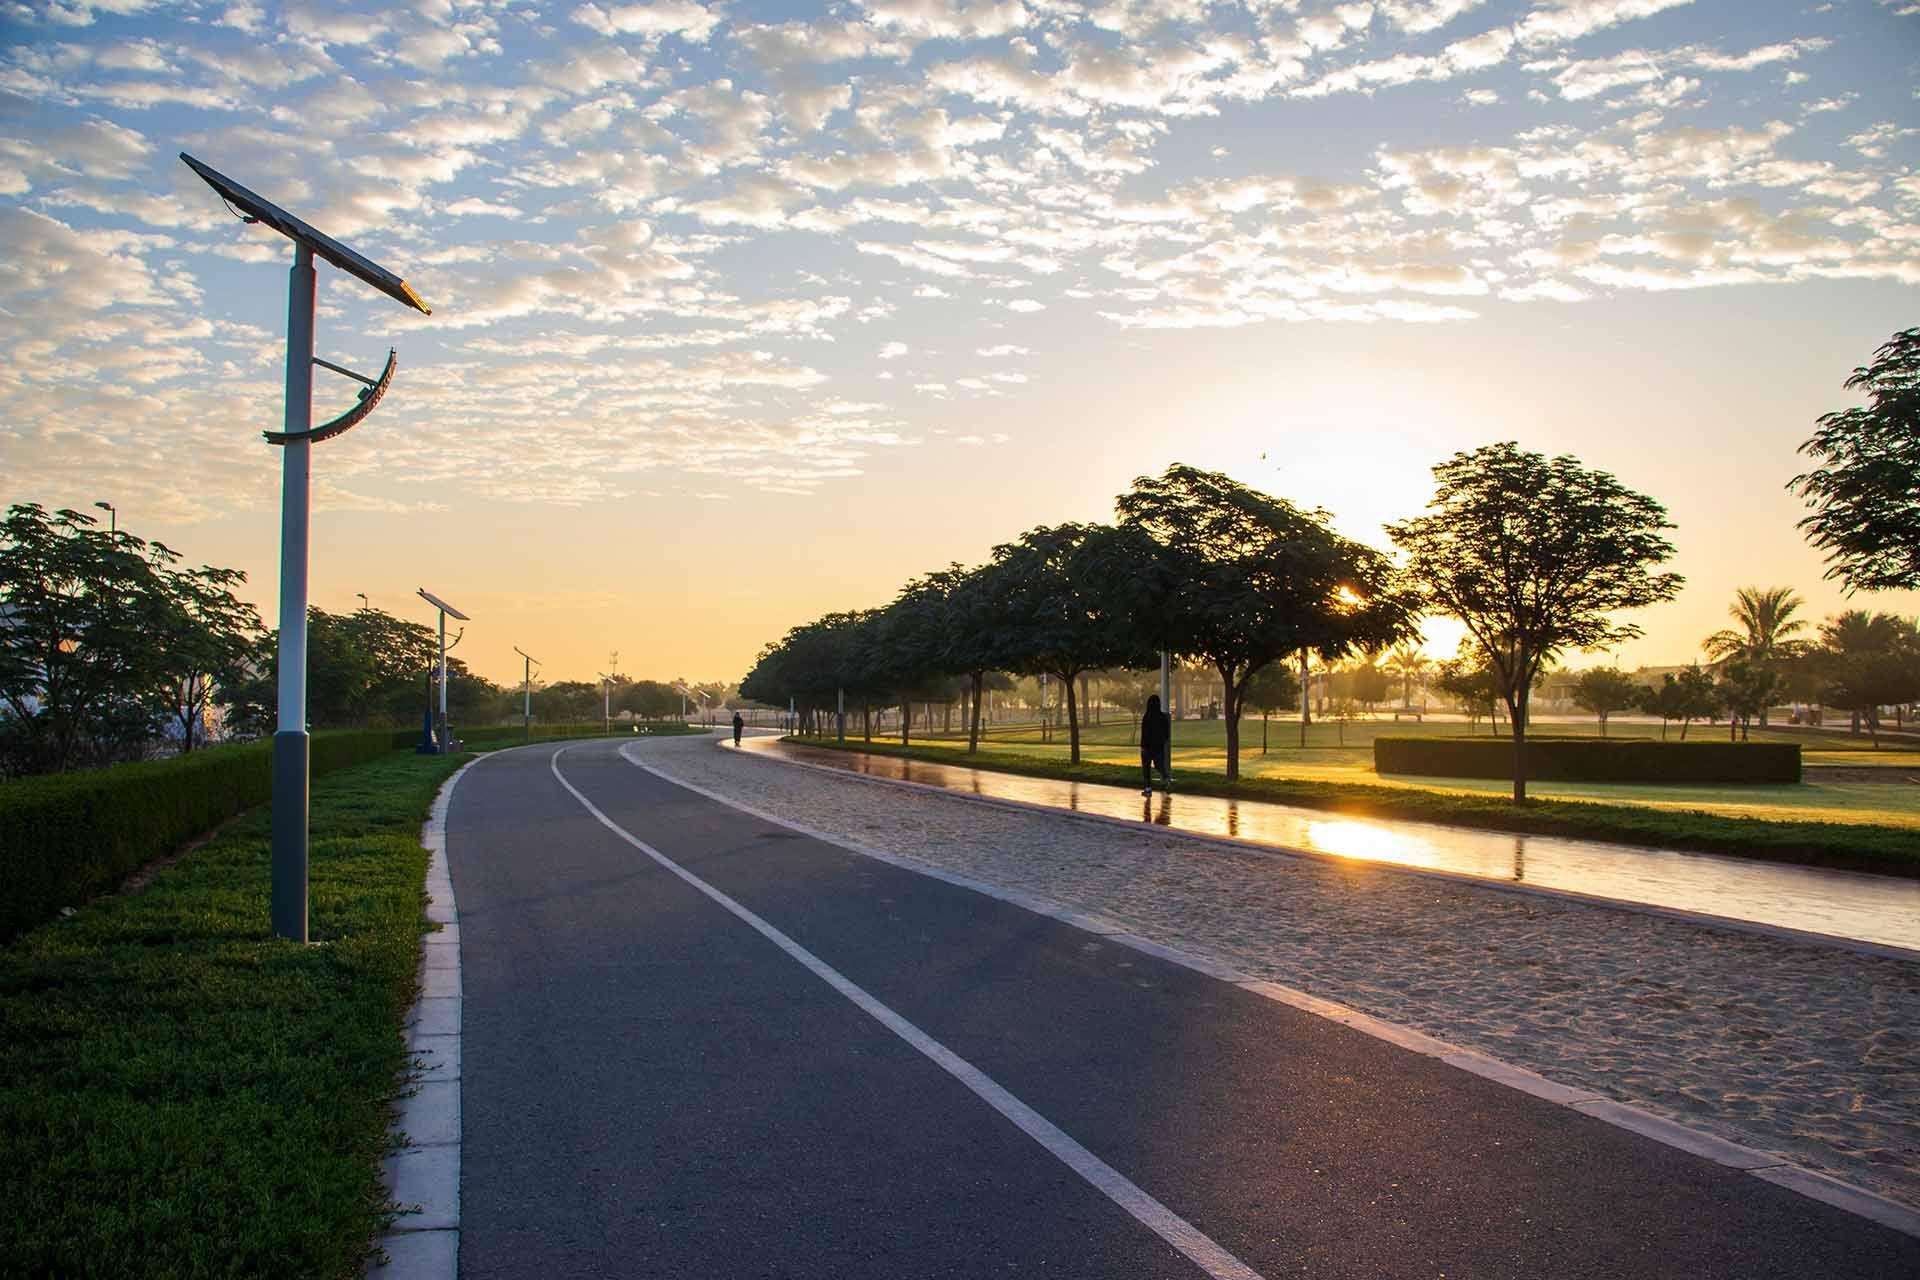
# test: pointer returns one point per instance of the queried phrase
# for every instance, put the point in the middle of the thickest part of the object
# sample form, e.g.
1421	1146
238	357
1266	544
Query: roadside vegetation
183	1095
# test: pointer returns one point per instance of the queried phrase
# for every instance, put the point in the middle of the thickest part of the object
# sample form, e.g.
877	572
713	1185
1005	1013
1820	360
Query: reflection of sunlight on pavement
1352	839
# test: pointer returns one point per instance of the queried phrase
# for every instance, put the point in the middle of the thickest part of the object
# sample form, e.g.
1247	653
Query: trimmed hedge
69	836
1591	759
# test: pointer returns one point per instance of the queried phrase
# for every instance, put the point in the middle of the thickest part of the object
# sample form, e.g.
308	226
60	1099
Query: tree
649	699
1271	688
1605	690
1535	556
1363	681
1863	683
1745	689
1468	679
1868	660
1064	606
1865	492
1766	623
1407	662
1240	579
77	612
203	644
1686	697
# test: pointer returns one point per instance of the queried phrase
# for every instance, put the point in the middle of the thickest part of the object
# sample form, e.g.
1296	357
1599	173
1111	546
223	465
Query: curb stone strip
424	1242
1806	937
1765	1165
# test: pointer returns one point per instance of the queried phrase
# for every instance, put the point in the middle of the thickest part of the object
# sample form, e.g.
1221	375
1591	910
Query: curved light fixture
369	397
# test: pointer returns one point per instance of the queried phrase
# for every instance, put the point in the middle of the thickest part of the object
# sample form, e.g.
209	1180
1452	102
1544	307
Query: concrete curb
423	1176
1882	950
1765	1165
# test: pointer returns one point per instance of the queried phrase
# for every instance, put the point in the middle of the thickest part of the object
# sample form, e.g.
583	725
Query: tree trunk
1230	707
1263	733
906	723
1306	688
973	734
1517	719
1603	723
1073	721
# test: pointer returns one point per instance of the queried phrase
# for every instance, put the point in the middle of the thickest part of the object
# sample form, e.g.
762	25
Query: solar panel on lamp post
291	745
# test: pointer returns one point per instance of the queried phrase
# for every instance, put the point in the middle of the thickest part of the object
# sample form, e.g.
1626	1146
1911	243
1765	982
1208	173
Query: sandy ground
1810	1051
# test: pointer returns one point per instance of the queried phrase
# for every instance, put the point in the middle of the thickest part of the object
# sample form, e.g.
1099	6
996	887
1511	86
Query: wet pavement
1866	908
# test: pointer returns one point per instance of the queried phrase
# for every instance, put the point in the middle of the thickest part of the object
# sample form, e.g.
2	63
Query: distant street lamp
291	745
364	602
606	699
113	520
526	689
444	738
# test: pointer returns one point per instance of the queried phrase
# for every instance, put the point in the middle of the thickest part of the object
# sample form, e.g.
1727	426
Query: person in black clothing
738	725
1156	737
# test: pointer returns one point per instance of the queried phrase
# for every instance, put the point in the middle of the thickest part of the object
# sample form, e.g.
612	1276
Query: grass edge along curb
183	1094
1882	850
66	837
1583	759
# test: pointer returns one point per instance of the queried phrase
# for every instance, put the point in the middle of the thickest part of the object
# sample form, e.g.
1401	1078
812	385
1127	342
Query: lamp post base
291	753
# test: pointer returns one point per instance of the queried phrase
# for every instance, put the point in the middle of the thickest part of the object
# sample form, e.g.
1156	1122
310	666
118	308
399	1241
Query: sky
747	312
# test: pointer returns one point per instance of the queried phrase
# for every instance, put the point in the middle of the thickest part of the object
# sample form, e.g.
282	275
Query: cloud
683	18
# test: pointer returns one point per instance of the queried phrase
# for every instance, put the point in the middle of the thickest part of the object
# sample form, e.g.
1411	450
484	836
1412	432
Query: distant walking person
738	725
1156	738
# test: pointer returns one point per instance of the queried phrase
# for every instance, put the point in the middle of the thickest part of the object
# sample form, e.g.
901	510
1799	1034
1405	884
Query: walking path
698	1043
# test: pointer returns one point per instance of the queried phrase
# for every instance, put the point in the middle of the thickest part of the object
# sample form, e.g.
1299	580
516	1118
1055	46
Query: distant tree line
112	650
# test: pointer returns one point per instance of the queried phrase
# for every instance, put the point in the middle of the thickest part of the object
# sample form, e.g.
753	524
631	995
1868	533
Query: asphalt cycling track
697	1043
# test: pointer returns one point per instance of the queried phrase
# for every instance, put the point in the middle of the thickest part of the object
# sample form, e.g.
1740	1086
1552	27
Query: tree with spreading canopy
1865	492
1239	579
1686	697
1605	690
1067	606
1534	555
1269	689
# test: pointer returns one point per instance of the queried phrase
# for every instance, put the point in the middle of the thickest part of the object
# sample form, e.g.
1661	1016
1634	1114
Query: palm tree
1763	639
1407	662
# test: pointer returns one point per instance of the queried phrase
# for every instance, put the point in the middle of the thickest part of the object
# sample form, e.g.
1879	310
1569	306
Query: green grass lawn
1857	825
180	1094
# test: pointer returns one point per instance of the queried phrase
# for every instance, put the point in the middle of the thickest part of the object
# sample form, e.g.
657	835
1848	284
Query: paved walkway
699	1044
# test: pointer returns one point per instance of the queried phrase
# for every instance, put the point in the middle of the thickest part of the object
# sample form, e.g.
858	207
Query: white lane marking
1159	1219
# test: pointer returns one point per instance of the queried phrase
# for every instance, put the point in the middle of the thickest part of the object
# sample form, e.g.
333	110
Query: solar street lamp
526	689
443	738
291	746
113	521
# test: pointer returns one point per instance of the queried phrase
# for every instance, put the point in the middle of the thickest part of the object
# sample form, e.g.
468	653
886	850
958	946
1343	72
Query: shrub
1591	759
67	837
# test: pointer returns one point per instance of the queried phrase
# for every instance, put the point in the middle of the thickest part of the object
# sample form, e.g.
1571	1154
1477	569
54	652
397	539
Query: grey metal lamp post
526	689
606	699
113	522
443	737
291	745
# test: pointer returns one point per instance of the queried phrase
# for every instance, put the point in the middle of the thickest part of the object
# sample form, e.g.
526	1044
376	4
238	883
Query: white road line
1162	1221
